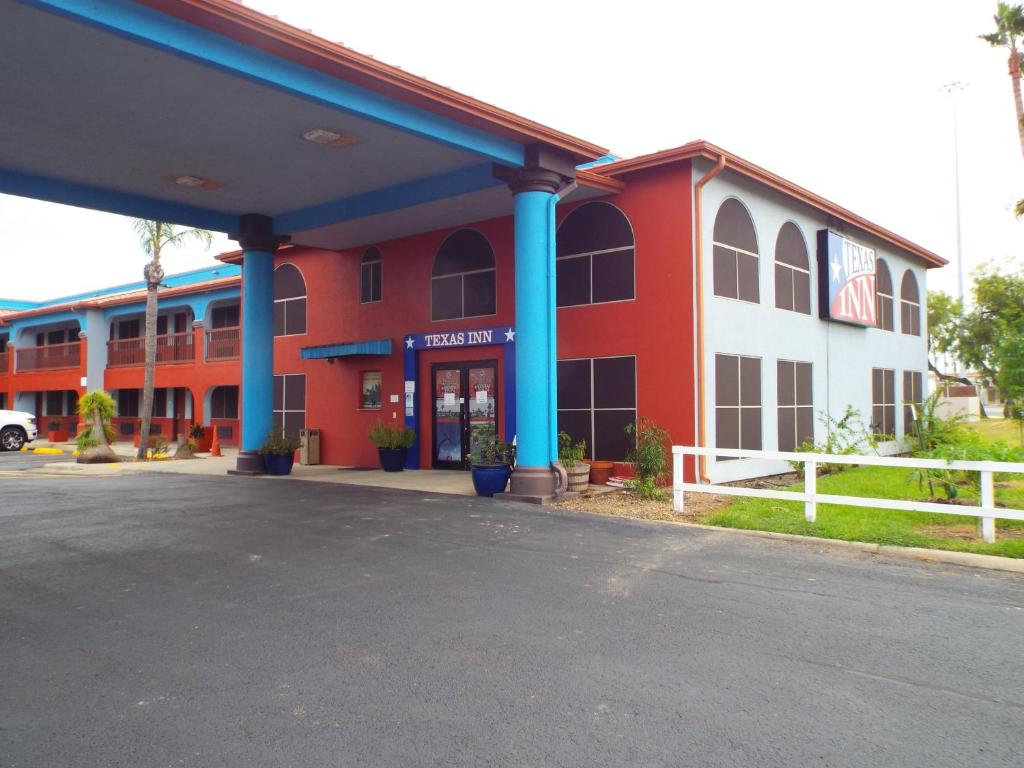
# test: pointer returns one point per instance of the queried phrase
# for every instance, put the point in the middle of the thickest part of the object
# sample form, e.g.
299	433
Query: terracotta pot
579	477
57	436
203	443
626	469
600	471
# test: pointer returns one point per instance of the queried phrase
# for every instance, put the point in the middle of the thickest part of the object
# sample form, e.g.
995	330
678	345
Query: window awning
347	349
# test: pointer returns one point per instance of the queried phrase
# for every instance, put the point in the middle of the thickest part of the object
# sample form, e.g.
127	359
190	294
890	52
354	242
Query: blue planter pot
275	464
489	479
392	459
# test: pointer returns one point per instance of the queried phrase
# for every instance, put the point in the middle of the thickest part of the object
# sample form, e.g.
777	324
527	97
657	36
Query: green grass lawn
996	430
882	526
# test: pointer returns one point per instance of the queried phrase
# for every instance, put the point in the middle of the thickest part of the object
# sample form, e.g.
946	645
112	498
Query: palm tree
1009	21
154	236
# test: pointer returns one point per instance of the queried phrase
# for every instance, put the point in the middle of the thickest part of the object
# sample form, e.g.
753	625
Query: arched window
883	296
735	254
910	305
289	301
595	256
792	271
370	276
462	283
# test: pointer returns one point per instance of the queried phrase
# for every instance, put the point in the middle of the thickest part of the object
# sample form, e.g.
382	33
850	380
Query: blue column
257	348
534	319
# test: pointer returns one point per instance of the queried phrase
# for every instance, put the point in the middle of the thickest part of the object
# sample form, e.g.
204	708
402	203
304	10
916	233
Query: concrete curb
950	557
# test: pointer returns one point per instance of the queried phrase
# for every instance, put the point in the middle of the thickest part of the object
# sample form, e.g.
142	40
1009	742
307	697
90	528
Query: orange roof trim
711	152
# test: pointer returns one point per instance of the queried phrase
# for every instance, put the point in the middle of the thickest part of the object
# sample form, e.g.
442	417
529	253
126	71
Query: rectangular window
160	403
596	400
289	316
738	402
795	401
225	317
55	403
370	282
128	403
224	403
913	394
883	401
734	274
792	288
290	403
370	391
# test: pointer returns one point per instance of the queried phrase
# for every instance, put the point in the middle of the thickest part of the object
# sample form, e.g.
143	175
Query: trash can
309	446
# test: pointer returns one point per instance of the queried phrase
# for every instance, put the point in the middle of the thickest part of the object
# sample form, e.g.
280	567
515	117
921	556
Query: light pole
952	88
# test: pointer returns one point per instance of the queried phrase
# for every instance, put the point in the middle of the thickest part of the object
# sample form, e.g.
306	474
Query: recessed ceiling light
197	182
330	138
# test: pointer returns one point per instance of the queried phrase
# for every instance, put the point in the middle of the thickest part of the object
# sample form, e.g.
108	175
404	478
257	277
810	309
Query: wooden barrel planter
579	477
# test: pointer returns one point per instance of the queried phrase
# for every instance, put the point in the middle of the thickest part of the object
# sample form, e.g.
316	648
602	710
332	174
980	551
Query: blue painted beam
126	204
425	190
157	30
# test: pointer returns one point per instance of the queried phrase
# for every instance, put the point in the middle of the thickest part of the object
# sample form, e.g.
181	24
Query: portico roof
200	111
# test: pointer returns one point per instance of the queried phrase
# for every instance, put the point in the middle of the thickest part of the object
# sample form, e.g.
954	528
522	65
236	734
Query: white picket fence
986	512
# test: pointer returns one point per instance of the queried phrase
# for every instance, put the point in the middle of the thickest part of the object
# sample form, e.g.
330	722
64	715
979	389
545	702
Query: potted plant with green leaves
393	445
570	456
491	463
278	453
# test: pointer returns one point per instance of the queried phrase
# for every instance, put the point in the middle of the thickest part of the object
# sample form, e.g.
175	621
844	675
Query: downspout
563	479
698	209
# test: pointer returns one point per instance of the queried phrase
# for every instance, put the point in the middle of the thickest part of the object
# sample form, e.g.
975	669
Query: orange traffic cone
215	445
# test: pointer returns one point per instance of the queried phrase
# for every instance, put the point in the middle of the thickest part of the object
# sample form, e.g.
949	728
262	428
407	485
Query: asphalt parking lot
157	620
18	461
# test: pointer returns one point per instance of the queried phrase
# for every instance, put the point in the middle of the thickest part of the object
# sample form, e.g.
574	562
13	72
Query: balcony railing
49	357
223	343
170	348
4	360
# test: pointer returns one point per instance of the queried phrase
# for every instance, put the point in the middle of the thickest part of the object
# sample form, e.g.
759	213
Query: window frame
735	254
887	406
284	302
910	305
882	298
462	279
593	409
378	262
213	402
589	256
791	271
284	400
916	381
796	406
740	407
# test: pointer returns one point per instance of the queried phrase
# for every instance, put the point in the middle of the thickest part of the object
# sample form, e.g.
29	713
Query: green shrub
647	488
491	449
650	454
384	436
570	455
845	436
278	444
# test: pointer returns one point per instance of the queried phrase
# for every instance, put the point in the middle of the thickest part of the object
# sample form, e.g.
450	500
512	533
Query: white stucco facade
842	356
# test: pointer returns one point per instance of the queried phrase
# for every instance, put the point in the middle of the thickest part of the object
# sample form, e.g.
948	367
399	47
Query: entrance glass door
465	410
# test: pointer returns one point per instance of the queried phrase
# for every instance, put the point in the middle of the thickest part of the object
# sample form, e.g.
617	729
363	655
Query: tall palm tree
1009	32
154	236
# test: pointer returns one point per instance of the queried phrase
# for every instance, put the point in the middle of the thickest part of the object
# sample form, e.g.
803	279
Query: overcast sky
842	98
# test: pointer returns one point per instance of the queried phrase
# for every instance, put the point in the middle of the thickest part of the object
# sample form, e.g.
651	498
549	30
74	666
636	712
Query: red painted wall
657	326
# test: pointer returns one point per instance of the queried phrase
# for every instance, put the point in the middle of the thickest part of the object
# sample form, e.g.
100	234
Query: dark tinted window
225	317
883	401
370	276
913	395
795	404
290	403
737	402
596	400
910	305
224	403
595	251
792	271
463	279
734	255
289	301
883	296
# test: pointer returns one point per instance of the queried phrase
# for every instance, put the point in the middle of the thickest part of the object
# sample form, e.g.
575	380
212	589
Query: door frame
463	367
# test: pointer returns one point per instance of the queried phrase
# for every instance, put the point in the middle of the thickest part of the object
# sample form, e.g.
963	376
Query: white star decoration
837	269
409	343
510	335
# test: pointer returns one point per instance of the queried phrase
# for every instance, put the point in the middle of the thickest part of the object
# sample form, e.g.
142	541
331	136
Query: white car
16	429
